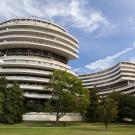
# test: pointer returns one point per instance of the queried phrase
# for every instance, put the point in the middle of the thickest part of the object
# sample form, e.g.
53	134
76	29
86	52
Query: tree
3	91
11	102
108	110
68	94
127	107
34	105
92	114
16	102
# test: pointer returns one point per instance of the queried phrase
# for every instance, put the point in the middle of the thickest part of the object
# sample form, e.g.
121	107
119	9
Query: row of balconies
103	81
29	63
124	90
65	34
103	84
24	71
59	50
28	79
99	74
35	22
36	96
68	46
123	71
122	66
36	59
105	77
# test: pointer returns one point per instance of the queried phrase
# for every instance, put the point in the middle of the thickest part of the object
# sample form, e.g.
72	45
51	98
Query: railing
42	44
105	77
118	90
34	95
36	63
42	38
101	73
104	84
37	59
25	71
104	81
44	32
28	78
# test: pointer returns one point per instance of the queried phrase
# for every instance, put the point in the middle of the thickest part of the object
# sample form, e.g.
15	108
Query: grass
77	128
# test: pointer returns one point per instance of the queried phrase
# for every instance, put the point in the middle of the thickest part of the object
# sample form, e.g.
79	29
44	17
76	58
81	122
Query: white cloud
77	13
106	62
130	24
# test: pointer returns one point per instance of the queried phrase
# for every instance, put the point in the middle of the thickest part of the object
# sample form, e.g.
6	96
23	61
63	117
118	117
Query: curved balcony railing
25	71
68	46
32	87
37	96
122	89
27	78
103	81
64	35
30	63
104	84
36	59
49	46
105	78
100	74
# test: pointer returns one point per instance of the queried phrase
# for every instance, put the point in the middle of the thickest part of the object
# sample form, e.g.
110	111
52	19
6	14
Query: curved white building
30	49
120	77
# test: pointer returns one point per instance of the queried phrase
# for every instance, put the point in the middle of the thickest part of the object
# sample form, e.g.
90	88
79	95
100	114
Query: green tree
17	102
11	102
68	94
127	107
3	91
108	110
92	112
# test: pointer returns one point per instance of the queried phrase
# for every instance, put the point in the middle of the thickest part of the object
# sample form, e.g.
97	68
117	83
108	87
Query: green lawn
70	129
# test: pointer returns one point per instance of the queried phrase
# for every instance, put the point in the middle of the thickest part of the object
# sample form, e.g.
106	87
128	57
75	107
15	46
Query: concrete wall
34	116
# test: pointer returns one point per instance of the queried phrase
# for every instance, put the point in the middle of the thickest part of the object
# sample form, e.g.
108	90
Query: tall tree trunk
57	118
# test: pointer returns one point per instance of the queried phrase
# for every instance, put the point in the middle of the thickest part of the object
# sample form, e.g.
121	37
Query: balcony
30	63
37	96
28	79
45	46
40	32
40	38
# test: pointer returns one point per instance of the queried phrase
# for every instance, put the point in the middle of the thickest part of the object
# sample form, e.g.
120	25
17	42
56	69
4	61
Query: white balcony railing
40	31
27	78
47	45
55	40
38	96
43	65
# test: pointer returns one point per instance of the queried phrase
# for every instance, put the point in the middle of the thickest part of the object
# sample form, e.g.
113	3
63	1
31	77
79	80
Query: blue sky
105	28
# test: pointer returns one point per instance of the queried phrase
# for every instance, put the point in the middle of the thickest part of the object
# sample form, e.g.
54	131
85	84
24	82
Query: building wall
120	77
31	49
51	117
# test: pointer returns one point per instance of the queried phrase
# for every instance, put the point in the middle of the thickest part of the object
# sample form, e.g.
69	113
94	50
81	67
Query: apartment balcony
105	77
104	84
36	64
104	81
122	89
37	59
99	74
24	71
37	96
59	50
40	38
28	79
30	30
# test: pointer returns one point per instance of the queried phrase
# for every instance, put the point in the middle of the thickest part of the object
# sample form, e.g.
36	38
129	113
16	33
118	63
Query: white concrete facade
120	77
33	116
30	49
